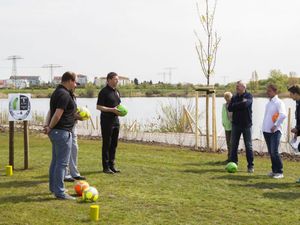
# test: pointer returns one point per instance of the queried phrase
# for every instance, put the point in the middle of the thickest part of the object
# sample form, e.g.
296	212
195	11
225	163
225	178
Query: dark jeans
110	133
228	142
273	141
235	140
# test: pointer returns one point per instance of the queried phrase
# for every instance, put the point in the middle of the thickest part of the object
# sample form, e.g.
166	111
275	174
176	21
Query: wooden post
207	120
11	144
196	121
97	123
183	118
26	145
288	126
214	127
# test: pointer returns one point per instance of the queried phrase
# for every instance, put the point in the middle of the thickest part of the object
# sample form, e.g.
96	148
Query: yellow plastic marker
94	212
9	171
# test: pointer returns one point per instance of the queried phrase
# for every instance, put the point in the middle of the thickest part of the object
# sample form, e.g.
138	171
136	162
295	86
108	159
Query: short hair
273	87
227	94
111	75
242	83
294	89
68	76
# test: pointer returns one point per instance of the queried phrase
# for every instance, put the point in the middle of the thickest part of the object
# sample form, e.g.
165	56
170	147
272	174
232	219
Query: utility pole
170	73
224	79
164	76
51	67
14	59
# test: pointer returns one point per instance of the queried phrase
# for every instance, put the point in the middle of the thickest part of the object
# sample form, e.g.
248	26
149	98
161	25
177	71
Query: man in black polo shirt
108	100
62	119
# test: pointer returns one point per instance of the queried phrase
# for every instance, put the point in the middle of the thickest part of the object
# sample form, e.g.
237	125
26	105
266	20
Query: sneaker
271	174
79	178
69	179
66	197
250	170
278	175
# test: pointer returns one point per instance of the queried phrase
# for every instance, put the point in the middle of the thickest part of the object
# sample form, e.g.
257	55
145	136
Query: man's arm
108	109
54	120
237	106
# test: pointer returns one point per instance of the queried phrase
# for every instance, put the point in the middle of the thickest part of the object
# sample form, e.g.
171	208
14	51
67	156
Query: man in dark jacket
241	108
295	95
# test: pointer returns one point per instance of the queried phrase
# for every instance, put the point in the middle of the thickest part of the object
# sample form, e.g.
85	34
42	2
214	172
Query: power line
163	75
51	67
170	72
14	59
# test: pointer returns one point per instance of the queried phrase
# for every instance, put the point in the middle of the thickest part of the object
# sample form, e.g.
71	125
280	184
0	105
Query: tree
279	79
207	47
136	81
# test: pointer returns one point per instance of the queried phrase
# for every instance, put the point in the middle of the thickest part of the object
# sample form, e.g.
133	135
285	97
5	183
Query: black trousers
110	133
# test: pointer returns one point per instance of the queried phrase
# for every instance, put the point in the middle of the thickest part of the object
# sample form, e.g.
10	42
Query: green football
122	109
231	167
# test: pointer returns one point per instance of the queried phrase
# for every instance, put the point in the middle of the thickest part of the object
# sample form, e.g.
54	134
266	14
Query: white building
101	81
82	79
19	84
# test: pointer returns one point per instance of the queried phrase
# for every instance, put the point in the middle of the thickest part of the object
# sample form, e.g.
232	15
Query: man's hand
116	111
294	130
273	129
46	130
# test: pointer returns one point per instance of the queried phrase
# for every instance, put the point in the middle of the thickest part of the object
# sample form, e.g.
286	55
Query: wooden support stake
214	127
26	141
288	126
207	121
196	121
11	144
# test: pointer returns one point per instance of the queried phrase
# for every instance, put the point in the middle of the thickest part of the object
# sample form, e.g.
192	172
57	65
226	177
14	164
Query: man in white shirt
275	114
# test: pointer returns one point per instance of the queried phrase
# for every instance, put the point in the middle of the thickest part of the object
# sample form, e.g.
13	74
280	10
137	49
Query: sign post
19	110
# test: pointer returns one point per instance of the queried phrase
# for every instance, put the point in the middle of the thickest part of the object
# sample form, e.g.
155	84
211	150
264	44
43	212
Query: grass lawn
158	185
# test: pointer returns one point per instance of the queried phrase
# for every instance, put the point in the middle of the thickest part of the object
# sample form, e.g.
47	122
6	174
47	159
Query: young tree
136	81
207	46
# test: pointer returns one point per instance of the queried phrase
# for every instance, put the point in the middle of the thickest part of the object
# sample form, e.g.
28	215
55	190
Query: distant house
32	80
56	80
2	83
17	83
101	81
82	79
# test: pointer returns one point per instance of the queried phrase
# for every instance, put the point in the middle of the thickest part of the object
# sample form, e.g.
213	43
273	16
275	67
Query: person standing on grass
226	122
241	108
72	173
275	113
59	130
295	95
108	100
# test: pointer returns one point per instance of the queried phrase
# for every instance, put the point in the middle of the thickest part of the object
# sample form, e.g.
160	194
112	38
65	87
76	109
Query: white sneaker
278	175
271	174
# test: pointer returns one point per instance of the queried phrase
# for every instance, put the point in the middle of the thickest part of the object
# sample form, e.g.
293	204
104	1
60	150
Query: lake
146	110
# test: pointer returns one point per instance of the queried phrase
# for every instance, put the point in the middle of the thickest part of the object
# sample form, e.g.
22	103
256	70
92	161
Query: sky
140	39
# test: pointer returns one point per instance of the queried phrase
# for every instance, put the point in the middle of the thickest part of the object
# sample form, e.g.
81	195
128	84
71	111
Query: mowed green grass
158	185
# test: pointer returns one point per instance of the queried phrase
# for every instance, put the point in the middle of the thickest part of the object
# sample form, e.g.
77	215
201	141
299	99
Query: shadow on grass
86	173
37	197
264	185
282	195
202	171
240	177
211	163
22	183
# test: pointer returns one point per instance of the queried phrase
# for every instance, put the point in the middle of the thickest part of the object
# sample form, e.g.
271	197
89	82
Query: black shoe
79	178
108	170
115	170
69	179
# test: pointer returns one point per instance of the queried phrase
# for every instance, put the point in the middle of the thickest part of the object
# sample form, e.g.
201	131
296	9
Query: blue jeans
273	141
61	150
235	140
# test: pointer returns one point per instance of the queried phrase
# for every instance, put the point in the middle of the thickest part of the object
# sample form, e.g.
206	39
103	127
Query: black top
108	97
241	108
62	99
